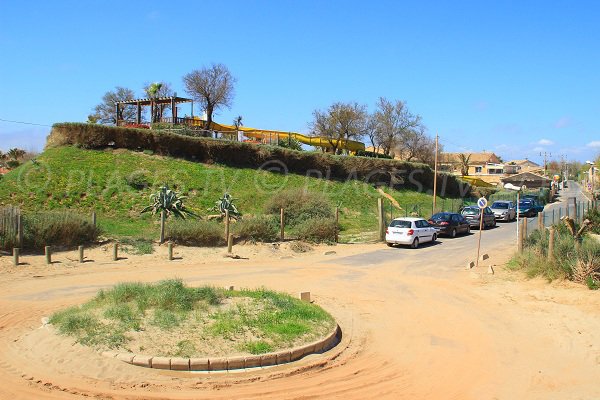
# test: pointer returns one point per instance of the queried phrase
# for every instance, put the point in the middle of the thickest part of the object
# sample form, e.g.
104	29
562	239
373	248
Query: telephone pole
546	155
435	162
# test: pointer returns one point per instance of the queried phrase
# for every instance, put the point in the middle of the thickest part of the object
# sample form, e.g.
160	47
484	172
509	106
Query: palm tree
152	90
464	163
15	154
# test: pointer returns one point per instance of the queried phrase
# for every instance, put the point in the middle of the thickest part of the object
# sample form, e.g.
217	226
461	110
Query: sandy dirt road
416	325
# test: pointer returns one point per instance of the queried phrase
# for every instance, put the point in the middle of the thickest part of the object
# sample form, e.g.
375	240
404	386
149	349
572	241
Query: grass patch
195	232
137	246
171	319
101	180
263	228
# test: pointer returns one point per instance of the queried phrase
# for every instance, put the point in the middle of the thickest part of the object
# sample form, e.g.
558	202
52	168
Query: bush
55	228
195	233
399	174
138	180
317	230
594	216
300	205
258	229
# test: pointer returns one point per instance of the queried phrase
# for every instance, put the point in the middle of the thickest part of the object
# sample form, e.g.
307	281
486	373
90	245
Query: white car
410	231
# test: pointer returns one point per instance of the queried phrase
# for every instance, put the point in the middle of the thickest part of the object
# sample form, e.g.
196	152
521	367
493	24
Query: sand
414	327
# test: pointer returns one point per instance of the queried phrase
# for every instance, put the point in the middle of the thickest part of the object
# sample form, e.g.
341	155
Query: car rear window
500	205
400	224
440	217
471	211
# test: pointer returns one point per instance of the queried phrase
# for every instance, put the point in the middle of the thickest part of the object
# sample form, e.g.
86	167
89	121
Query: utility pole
435	162
546	155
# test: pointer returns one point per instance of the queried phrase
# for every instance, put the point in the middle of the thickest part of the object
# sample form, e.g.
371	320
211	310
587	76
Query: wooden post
520	238
281	225
435	174
380	217
541	220
337	222
525	222
170	247
163	217
81	255
551	244
94	218
16	252
230	243
115	251
48	253
226	224
20	230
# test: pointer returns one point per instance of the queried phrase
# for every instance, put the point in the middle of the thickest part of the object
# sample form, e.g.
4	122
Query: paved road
452	253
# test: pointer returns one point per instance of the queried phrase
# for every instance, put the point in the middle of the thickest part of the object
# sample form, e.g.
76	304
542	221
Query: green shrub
300	205
195	233
317	230
594	216
138	180
54	228
245	155
258	229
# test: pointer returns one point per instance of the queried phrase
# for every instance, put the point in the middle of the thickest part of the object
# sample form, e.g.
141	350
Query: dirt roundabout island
169	325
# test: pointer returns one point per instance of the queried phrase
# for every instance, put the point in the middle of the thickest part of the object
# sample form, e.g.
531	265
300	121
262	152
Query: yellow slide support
269	136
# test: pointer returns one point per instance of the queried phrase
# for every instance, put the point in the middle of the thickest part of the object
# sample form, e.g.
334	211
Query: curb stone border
230	363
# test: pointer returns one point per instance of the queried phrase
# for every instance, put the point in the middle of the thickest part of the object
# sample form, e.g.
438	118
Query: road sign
482	202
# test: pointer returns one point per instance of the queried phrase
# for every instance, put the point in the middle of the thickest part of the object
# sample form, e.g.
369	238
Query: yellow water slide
268	136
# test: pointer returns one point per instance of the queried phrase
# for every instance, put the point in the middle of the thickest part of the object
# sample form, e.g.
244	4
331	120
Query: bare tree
416	145
212	87
106	112
464	160
394	123
341	121
156	91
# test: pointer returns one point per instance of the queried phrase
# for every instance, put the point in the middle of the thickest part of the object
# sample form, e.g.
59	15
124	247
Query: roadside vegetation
116	184
171	319
576	259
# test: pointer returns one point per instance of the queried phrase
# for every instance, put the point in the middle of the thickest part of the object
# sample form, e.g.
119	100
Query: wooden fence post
81	258
380	218
541	220
281	225
170	247
337	223
94	218
226	224
520	238
115	251
20	230
230	243
551	244
48	253
16	252
525	223
163	217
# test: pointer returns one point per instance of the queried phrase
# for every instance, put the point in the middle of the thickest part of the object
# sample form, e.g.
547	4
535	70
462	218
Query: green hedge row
377	171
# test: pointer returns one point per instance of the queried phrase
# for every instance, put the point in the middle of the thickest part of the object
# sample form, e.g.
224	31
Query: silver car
504	210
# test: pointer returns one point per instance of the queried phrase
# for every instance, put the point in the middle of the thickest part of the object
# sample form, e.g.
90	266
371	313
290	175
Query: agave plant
226	204
170	202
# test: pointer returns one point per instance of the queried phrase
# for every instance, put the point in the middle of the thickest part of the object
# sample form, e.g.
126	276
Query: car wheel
434	237
415	243
453	233
469	230
494	224
390	244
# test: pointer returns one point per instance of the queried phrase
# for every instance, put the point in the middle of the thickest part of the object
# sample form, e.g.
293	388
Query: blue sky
517	78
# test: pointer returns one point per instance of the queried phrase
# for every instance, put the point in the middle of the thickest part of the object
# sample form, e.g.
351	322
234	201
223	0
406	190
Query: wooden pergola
139	103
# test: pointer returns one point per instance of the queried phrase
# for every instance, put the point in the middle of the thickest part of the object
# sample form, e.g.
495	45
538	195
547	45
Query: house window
478	170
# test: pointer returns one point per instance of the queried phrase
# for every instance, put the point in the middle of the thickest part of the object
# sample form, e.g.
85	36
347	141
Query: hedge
394	173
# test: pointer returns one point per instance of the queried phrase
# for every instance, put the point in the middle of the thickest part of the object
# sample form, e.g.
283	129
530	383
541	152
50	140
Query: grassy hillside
117	184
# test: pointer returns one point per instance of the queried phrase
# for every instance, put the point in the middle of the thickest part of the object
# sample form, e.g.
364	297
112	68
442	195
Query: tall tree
156	91
212	87
106	111
341	121
464	160
394	123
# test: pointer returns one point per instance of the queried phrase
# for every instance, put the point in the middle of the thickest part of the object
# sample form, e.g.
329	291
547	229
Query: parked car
529	208
410	231
450	224
473	216
504	210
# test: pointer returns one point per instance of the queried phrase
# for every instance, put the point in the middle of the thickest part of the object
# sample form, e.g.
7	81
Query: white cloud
594	144
538	148
545	142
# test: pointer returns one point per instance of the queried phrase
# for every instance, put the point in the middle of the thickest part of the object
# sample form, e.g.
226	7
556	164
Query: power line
24	123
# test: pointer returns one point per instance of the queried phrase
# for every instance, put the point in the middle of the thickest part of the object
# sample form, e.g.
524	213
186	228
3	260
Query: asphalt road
448	254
